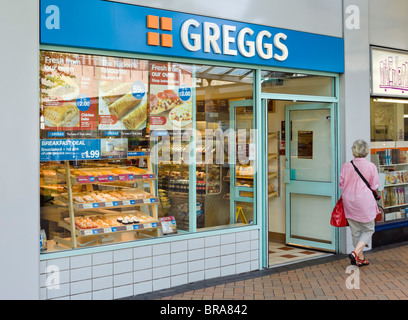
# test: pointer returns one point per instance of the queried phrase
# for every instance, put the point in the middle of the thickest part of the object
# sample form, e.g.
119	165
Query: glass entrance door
310	175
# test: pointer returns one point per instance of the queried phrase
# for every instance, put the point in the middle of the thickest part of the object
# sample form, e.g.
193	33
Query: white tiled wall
127	272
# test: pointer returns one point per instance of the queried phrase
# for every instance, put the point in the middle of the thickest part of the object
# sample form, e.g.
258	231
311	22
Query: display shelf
131	198
272	175
393	194
111	204
393	164
387	225
396	185
105	175
274	156
79	232
396	206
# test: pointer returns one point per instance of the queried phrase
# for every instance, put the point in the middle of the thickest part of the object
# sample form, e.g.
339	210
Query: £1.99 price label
70	149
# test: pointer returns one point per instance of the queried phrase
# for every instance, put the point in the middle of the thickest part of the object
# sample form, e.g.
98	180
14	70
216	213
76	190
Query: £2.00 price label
184	93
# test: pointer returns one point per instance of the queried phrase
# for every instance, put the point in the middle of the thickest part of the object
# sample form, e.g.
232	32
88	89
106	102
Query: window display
133	149
389	148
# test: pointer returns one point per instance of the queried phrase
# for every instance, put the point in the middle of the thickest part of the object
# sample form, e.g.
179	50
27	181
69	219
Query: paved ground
330	278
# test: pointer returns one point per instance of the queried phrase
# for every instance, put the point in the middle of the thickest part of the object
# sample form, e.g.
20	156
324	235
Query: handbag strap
362	177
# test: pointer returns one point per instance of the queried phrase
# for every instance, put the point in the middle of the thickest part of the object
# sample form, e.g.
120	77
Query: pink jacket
358	200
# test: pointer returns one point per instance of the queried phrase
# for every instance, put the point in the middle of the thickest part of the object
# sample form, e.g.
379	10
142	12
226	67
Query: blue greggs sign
122	27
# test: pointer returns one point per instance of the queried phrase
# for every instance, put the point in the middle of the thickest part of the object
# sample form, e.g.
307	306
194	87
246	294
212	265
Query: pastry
123	105
59	116
163	101
137	170
136	117
117	92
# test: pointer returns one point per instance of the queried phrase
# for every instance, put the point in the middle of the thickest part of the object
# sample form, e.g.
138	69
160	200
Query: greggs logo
210	37
162	24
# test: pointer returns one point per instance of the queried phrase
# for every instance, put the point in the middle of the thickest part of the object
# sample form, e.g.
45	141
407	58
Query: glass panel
216	88
309	216
244	169
310	146
296	83
389	151
389	119
244	213
116	156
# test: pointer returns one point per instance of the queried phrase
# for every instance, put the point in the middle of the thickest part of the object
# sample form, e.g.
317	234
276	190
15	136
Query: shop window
389	151
134	149
297	83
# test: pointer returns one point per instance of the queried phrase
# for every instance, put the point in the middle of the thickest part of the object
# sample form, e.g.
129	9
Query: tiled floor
280	254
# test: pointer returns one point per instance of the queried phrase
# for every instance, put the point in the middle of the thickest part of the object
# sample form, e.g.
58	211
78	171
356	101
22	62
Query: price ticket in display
70	149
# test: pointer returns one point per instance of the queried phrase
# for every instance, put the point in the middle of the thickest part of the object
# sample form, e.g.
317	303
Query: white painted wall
19	155
389	23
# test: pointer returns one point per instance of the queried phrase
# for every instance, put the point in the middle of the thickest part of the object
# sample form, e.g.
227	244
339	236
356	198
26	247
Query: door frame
262	199
312	187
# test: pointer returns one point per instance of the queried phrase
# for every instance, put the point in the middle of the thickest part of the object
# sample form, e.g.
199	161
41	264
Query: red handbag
338	218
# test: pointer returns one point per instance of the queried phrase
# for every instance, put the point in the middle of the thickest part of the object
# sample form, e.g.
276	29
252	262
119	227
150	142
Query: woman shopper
360	207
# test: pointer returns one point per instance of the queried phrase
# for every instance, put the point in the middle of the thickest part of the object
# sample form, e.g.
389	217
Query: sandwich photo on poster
123	86
170	104
68	94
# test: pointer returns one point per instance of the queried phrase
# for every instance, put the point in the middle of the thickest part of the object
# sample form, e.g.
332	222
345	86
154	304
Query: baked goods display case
96	201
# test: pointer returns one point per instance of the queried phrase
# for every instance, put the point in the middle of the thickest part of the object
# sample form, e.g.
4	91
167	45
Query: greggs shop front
176	147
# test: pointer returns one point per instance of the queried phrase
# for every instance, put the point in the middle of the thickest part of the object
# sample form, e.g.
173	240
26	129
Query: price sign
70	149
83	102
185	93
87	206
138	89
93	154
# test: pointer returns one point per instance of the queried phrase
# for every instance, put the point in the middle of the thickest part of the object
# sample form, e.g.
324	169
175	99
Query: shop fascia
211	34
184	36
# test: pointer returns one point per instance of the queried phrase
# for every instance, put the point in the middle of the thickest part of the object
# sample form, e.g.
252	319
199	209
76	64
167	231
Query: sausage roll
123	105
135	118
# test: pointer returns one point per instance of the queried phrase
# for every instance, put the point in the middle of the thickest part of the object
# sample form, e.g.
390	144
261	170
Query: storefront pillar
355	87
19	212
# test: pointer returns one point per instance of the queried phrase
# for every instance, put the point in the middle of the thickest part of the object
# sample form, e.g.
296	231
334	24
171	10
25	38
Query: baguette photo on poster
123	88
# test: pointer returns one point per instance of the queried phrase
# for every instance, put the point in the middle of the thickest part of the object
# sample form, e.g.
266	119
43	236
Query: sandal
353	258
363	262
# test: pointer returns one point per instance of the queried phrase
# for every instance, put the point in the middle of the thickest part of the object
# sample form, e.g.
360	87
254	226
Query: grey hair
360	149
